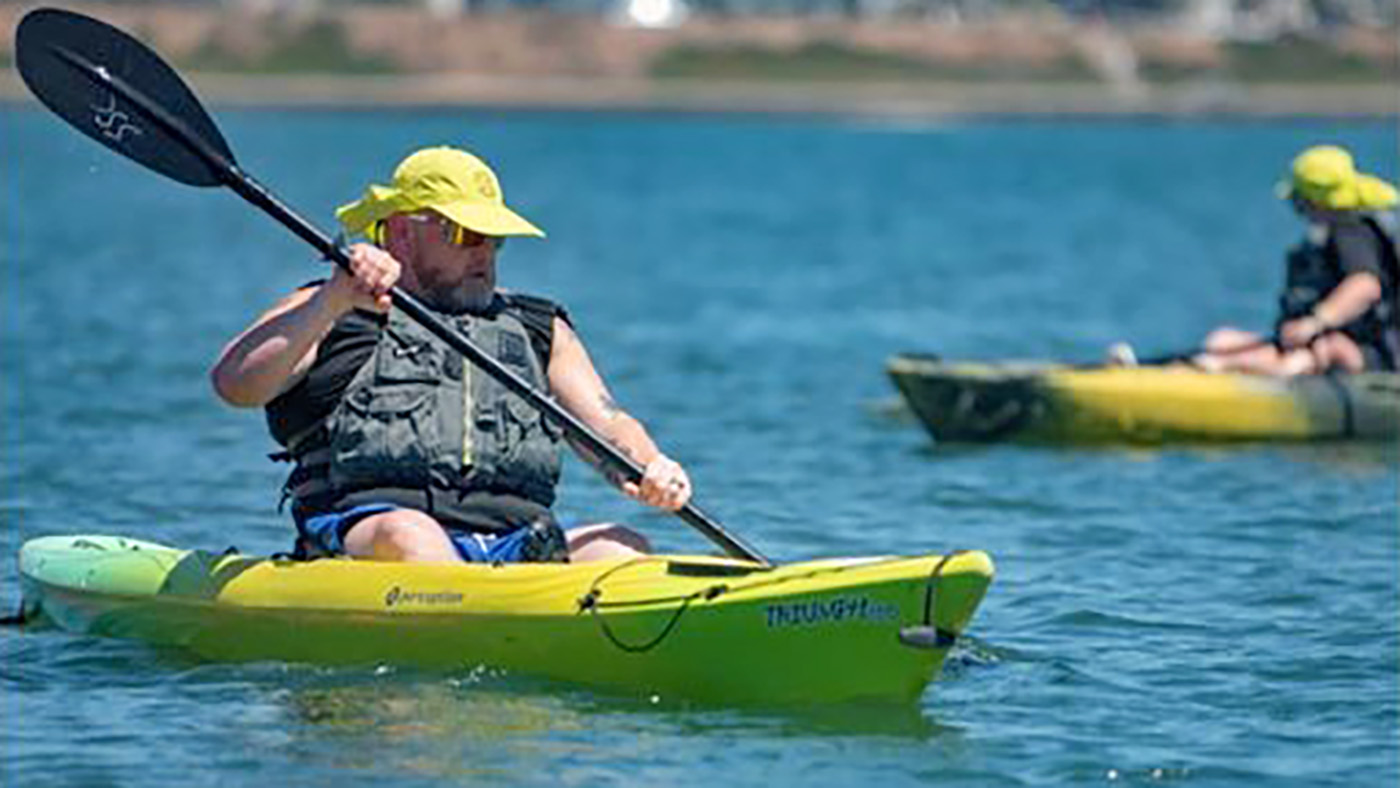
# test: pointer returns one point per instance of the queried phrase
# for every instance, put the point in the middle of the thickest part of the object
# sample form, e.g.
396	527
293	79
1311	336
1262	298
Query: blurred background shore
1255	58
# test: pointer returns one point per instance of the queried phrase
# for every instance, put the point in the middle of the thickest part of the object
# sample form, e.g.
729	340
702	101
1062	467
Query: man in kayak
402	449
1339	306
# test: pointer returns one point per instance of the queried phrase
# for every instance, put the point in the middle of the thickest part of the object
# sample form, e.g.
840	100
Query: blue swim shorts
324	534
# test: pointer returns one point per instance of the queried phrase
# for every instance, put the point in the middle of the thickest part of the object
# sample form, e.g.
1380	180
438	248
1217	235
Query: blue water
1184	616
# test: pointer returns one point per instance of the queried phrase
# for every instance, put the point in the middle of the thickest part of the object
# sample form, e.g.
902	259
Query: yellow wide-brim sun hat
1326	176
450	181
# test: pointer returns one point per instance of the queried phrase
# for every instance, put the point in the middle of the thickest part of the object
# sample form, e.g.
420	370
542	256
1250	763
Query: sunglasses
457	235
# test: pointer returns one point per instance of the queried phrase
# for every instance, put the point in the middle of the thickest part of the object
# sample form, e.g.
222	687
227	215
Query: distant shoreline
886	99
1021	64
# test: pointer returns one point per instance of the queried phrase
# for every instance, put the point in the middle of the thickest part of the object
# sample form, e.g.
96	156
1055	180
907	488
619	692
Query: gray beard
456	300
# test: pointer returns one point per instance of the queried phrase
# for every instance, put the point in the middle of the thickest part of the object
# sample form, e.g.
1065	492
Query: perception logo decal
397	597
836	610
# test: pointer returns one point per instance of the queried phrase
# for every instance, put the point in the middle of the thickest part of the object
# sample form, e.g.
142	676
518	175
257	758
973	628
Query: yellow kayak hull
1047	403
694	627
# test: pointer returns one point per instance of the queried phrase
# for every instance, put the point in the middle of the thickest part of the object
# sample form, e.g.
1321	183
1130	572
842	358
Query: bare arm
272	354
1347	301
581	391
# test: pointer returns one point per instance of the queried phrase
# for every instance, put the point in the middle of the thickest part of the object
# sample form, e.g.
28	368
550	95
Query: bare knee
1233	350
1226	339
608	540
1338	350
400	535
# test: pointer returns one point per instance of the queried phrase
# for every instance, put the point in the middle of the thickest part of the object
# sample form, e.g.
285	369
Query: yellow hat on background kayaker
1326	176
452	182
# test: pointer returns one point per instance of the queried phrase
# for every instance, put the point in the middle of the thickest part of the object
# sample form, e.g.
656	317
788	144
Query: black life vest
417	417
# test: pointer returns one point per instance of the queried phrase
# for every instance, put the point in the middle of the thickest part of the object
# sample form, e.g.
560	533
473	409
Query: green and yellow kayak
711	629
1051	403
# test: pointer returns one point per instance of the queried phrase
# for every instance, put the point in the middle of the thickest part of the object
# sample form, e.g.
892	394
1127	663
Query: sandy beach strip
902	99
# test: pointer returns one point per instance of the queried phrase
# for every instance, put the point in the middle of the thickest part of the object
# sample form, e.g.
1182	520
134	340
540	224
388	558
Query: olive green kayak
711	629
1060	404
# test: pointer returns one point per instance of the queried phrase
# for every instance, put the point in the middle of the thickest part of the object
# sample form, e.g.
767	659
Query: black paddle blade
114	89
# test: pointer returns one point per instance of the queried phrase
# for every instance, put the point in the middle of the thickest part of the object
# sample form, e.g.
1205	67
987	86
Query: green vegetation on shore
1287	60
318	47
834	62
1305	60
1293	61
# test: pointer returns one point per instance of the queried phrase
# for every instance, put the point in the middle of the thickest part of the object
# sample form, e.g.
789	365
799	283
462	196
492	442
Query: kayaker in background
1339	306
403	450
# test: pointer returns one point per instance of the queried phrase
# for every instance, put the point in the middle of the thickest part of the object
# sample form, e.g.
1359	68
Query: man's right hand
366	285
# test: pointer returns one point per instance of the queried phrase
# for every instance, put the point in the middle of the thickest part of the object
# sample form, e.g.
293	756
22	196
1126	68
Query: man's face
450	267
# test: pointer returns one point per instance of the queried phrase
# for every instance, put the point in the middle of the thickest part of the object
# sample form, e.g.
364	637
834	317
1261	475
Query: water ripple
1187	615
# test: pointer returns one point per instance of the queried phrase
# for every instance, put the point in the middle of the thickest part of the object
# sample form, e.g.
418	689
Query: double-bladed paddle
114	89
